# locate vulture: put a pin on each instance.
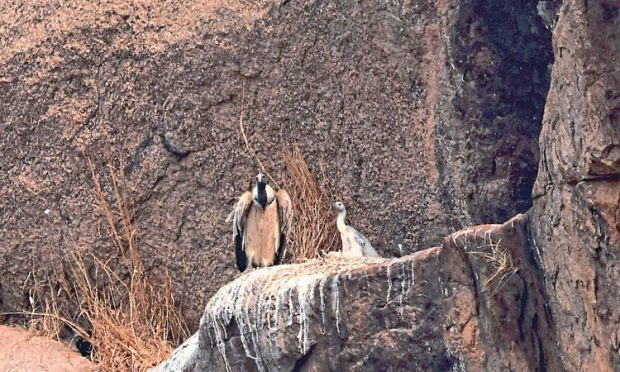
(260, 219)
(353, 242)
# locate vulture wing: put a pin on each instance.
(285, 215)
(238, 217)
(364, 244)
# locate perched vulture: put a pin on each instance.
(260, 220)
(353, 242)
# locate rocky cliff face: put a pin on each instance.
(548, 303)
(576, 214)
(422, 116)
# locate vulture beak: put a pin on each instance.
(262, 178)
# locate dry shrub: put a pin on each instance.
(132, 323)
(501, 262)
(314, 230)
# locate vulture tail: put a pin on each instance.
(242, 259)
(280, 251)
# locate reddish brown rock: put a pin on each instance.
(22, 351)
(576, 218)
(423, 117)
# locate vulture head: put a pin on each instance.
(262, 193)
(339, 207)
(261, 179)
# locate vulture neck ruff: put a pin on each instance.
(262, 194)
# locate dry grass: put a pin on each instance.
(49, 321)
(131, 322)
(501, 263)
(248, 147)
(314, 231)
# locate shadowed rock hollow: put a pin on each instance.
(421, 116)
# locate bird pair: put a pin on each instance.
(261, 217)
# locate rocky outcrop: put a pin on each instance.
(430, 110)
(490, 106)
(576, 213)
(474, 303)
(184, 357)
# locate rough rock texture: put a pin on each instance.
(429, 109)
(559, 311)
(434, 310)
(576, 214)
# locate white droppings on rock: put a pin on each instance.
(487, 236)
(442, 287)
(256, 303)
(412, 282)
(404, 280)
(537, 251)
(461, 365)
(276, 311)
(245, 329)
(220, 344)
(183, 358)
(322, 296)
(389, 278)
(336, 300)
(290, 306)
(462, 235)
(306, 285)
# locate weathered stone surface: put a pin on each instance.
(491, 99)
(422, 115)
(576, 213)
(433, 310)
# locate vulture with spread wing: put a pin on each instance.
(260, 219)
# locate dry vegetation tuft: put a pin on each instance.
(132, 323)
(314, 231)
(501, 262)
